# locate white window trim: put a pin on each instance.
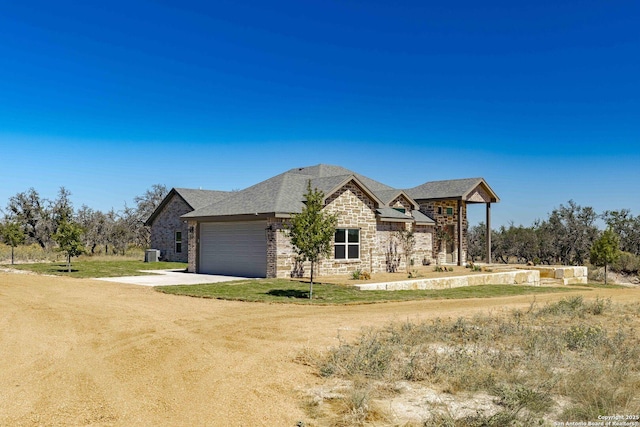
(346, 244)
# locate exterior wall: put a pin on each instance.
(280, 255)
(443, 220)
(164, 227)
(390, 253)
(194, 232)
(378, 246)
(355, 210)
(402, 202)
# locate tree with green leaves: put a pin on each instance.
(311, 231)
(605, 250)
(13, 235)
(69, 239)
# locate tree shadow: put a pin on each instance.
(289, 293)
(62, 268)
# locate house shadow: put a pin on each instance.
(289, 293)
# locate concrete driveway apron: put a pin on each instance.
(170, 277)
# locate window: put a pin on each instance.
(450, 211)
(439, 210)
(178, 242)
(347, 243)
(403, 210)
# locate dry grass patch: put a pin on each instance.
(568, 361)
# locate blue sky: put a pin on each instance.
(542, 98)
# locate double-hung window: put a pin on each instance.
(178, 242)
(347, 243)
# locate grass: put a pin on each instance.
(297, 292)
(573, 360)
(105, 267)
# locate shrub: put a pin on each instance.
(526, 360)
(627, 263)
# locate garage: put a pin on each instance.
(233, 248)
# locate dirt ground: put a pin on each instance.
(85, 352)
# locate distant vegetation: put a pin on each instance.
(565, 237)
(31, 223)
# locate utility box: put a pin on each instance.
(151, 255)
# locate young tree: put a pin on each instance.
(605, 250)
(69, 239)
(13, 235)
(311, 231)
(408, 243)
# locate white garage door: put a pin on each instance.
(233, 248)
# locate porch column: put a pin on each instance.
(488, 233)
(460, 232)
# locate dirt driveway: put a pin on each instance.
(85, 352)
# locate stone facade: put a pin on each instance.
(163, 231)
(379, 247)
(445, 213)
(193, 245)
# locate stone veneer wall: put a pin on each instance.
(194, 233)
(430, 208)
(164, 227)
(355, 210)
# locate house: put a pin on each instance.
(244, 234)
(169, 232)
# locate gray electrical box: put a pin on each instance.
(151, 255)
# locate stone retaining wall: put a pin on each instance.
(519, 277)
(568, 275)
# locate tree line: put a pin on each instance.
(29, 218)
(565, 237)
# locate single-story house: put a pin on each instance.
(244, 233)
(169, 232)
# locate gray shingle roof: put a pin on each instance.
(449, 189)
(284, 193)
(195, 198)
(200, 198)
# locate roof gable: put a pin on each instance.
(471, 190)
(193, 198)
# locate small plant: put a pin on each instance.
(414, 274)
(439, 269)
(450, 269)
(360, 275)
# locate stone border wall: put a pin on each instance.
(519, 277)
(568, 275)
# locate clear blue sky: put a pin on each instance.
(541, 98)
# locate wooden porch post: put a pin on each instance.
(488, 233)
(460, 232)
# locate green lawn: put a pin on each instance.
(91, 268)
(295, 292)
